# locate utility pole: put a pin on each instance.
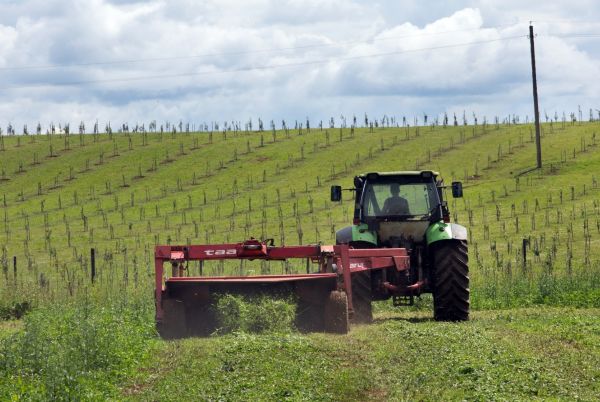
(538, 144)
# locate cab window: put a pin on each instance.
(392, 198)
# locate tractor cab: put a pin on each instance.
(395, 209)
(399, 207)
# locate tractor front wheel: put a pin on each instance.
(450, 281)
(361, 298)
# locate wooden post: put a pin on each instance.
(93, 263)
(15, 267)
(538, 144)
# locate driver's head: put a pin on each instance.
(395, 189)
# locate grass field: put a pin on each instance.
(123, 193)
(546, 353)
(93, 353)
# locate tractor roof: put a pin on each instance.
(402, 173)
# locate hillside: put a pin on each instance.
(123, 193)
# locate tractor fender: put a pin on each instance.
(445, 231)
(355, 234)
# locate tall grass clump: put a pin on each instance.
(14, 310)
(256, 314)
(502, 291)
(75, 351)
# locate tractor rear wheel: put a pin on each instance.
(361, 297)
(336, 313)
(451, 281)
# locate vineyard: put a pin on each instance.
(533, 233)
(123, 193)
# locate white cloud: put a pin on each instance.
(234, 39)
(8, 37)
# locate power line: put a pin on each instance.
(241, 52)
(566, 21)
(258, 68)
(575, 35)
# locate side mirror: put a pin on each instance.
(457, 190)
(336, 193)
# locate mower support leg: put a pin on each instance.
(347, 278)
(158, 266)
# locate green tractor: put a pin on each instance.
(407, 210)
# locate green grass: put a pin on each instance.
(9, 327)
(86, 351)
(124, 193)
(75, 351)
(521, 354)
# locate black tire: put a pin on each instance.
(336, 313)
(362, 298)
(174, 324)
(450, 281)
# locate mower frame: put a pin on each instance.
(336, 263)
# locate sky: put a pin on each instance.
(224, 60)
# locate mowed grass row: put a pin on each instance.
(90, 351)
(523, 354)
(202, 187)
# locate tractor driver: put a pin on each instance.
(395, 205)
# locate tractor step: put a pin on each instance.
(400, 301)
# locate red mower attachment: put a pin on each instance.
(184, 304)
